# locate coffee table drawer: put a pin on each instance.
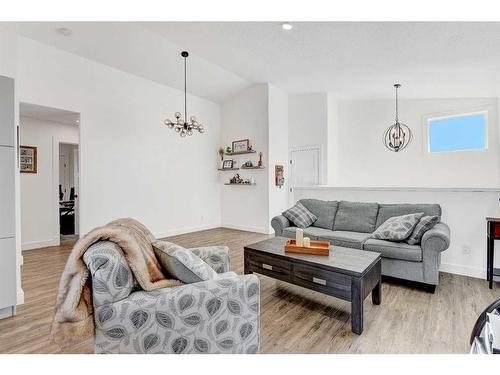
(279, 269)
(327, 282)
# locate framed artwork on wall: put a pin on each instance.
(227, 164)
(278, 175)
(241, 145)
(28, 162)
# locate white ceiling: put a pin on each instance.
(49, 114)
(134, 49)
(351, 60)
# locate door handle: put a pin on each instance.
(267, 266)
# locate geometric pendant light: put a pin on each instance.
(398, 135)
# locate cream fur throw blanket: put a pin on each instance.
(73, 319)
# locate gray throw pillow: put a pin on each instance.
(425, 223)
(300, 216)
(397, 228)
(182, 264)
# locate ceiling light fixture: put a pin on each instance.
(398, 135)
(286, 26)
(181, 125)
(64, 31)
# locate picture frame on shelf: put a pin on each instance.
(227, 164)
(28, 159)
(241, 146)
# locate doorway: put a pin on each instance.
(49, 193)
(305, 167)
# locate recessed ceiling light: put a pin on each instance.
(286, 26)
(64, 31)
(77, 121)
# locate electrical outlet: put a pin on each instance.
(466, 249)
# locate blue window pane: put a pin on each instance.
(458, 133)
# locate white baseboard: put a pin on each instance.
(248, 228)
(20, 296)
(38, 244)
(175, 232)
(459, 269)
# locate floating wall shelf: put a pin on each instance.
(240, 152)
(252, 167)
(227, 169)
(228, 183)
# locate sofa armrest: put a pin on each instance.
(436, 239)
(279, 223)
(216, 257)
(215, 316)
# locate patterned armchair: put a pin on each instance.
(216, 316)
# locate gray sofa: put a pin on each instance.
(350, 224)
(215, 316)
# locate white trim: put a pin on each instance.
(249, 228)
(20, 296)
(453, 114)
(359, 188)
(458, 269)
(34, 245)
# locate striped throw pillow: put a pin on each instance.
(425, 223)
(300, 216)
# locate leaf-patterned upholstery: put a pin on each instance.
(215, 316)
(216, 257)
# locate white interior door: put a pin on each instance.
(63, 175)
(305, 167)
(76, 181)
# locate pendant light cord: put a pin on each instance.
(185, 90)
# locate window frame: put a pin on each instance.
(454, 114)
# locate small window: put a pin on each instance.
(466, 132)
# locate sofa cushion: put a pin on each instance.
(182, 264)
(425, 223)
(395, 250)
(300, 216)
(397, 228)
(353, 240)
(356, 217)
(325, 211)
(386, 211)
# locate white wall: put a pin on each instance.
(131, 164)
(39, 206)
(278, 150)
(364, 161)
(246, 116)
(308, 124)
(463, 210)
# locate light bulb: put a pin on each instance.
(201, 129)
(193, 119)
(183, 133)
(178, 129)
(190, 132)
(177, 115)
(181, 122)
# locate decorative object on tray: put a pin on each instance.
(299, 236)
(28, 159)
(241, 145)
(221, 153)
(227, 164)
(315, 247)
(182, 126)
(260, 163)
(278, 175)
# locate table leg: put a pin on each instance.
(377, 294)
(491, 244)
(246, 265)
(357, 306)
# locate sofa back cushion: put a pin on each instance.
(387, 211)
(356, 217)
(325, 211)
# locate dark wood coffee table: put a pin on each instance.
(348, 274)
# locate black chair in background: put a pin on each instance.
(479, 341)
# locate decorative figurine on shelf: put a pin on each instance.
(248, 164)
(221, 153)
(236, 179)
(260, 164)
(250, 147)
(228, 150)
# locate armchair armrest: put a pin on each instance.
(436, 239)
(216, 257)
(216, 316)
(279, 223)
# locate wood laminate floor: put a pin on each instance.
(293, 319)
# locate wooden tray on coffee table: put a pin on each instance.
(316, 248)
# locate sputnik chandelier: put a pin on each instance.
(181, 125)
(398, 135)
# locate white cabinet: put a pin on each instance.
(7, 186)
(6, 111)
(8, 293)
